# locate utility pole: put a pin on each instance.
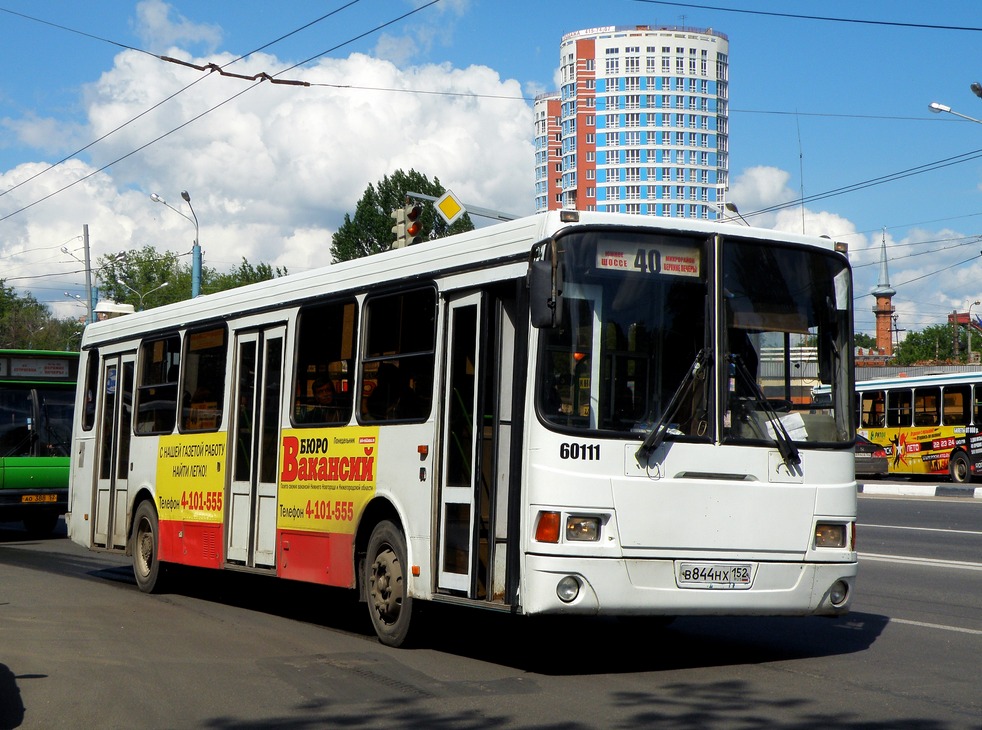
(88, 274)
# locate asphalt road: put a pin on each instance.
(80, 646)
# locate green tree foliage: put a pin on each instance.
(861, 339)
(124, 277)
(932, 344)
(26, 323)
(370, 230)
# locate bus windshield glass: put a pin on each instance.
(633, 320)
(637, 347)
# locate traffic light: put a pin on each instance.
(399, 229)
(414, 223)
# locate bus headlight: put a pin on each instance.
(829, 535)
(583, 529)
(568, 589)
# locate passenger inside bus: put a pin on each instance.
(324, 408)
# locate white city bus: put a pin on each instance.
(555, 415)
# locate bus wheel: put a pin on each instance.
(389, 603)
(146, 547)
(959, 468)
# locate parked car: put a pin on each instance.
(871, 458)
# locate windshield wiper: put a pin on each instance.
(660, 427)
(789, 452)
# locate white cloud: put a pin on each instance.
(271, 169)
(158, 28)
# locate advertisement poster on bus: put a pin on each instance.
(327, 476)
(191, 478)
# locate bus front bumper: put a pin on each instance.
(636, 587)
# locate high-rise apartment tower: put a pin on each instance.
(639, 124)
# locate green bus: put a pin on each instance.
(37, 403)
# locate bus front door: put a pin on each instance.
(115, 429)
(255, 448)
(476, 433)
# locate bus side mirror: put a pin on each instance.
(546, 294)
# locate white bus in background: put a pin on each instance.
(555, 415)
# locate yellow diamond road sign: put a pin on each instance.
(449, 207)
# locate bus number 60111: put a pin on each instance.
(583, 452)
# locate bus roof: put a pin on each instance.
(503, 243)
(914, 381)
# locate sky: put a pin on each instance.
(829, 121)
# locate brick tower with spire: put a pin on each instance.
(884, 309)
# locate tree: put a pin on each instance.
(370, 231)
(932, 344)
(27, 324)
(861, 339)
(125, 276)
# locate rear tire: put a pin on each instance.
(959, 468)
(386, 583)
(147, 570)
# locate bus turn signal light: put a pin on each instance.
(547, 529)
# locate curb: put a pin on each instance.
(922, 490)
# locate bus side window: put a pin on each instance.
(956, 400)
(326, 334)
(872, 410)
(926, 402)
(397, 365)
(203, 391)
(157, 391)
(91, 386)
(899, 408)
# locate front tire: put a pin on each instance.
(386, 580)
(959, 468)
(147, 569)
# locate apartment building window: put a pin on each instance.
(632, 174)
(632, 139)
(704, 62)
(666, 101)
(632, 120)
(613, 66)
(632, 102)
(591, 138)
(632, 157)
(590, 64)
(666, 65)
(613, 121)
(680, 102)
(680, 210)
(591, 174)
(632, 83)
(591, 192)
(591, 156)
(632, 65)
(613, 139)
(633, 208)
(692, 139)
(692, 121)
(591, 120)
(632, 192)
(679, 65)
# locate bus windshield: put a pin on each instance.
(637, 346)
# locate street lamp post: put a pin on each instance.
(975, 303)
(196, 247)
(733, 209)
(938, 108)
(144, 294)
